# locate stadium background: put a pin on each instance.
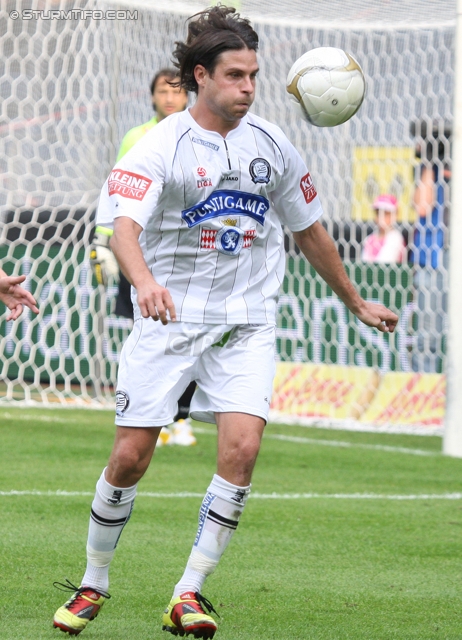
(71, 88)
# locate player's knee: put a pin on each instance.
(243, 452)
(127, 464)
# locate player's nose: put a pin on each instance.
(248, 86)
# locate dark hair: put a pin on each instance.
(168, 72)
(210, 33)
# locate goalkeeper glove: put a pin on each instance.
(102, 260)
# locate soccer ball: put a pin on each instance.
(326, 86)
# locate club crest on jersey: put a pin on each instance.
(127, 184)
(308, 188)
(122, 403)
(224, 202)
(229, 240)
(260, 171)
(226, 240)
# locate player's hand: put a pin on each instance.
(15, 297)
(155, 302)
(378, 316)
(102, 260)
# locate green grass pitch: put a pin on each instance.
(312, 562)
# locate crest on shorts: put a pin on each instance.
(260, 171)
(122, 403)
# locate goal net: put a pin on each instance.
(75, 78)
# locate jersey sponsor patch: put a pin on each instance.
(127, 184)
(226, 202)
(201, 171)
(209, 238)
(206, 143)
(308, 188)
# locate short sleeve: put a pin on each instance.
(295, 199)
(134, 184)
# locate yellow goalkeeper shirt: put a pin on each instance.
(135, 134)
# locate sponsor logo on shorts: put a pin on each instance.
(122, 403)
(194, 344)
(260, 171)
(308, 188)
(224, 202)
(206, 143)
(128, 185)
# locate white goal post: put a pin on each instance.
(72, 85)
(452, 444)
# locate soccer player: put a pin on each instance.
(166, 99)
(198, 208)
(14, 296)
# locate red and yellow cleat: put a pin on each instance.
(83, 606)
(185, 616)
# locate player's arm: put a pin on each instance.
(14, 296)
(319, 249)
(154, 300)
(424, 193)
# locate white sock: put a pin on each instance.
(110, 512)
(219, 516)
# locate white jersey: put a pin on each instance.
(212, 210)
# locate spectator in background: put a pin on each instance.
(166, 99)
(430, 251)
(14, 296)
(386, 244)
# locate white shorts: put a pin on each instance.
(233, 365)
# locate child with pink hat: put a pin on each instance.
(386, 244)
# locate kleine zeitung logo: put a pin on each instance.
(308, 188)
(128, 185)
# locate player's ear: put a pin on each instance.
(200, 73)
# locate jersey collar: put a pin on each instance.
(214, 135)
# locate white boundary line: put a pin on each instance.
(275, 417)
(254, 496)
(336, 443)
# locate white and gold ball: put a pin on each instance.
(326, 86)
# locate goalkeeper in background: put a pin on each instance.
(166, 99)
